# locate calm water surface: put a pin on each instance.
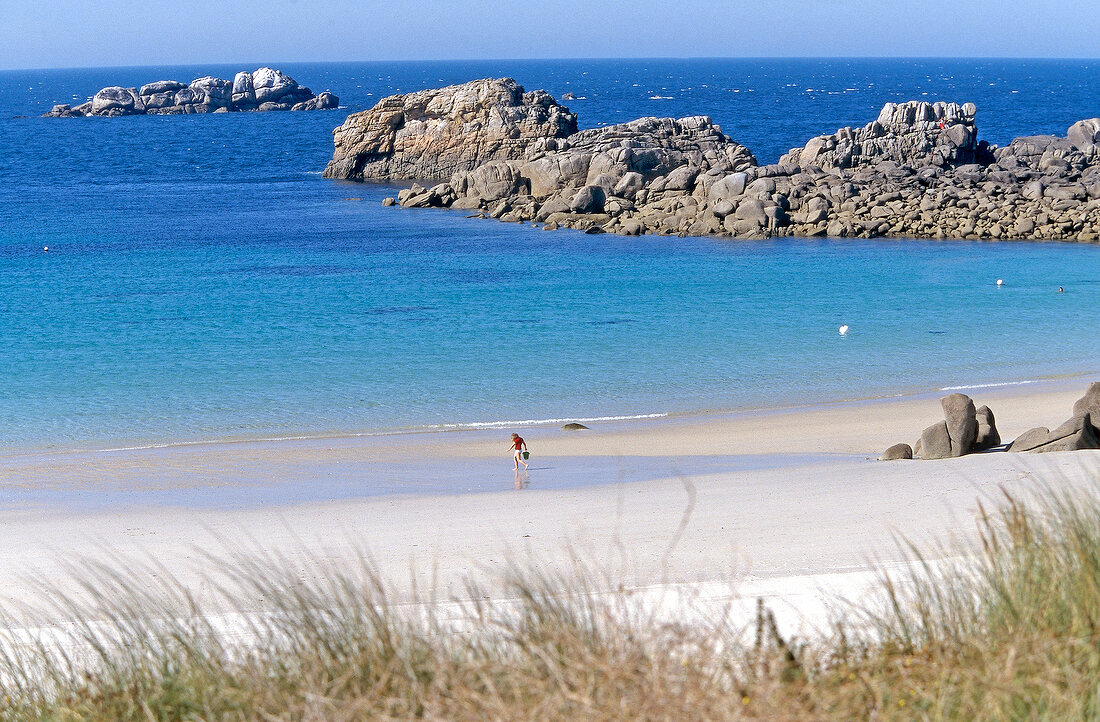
(204, 281)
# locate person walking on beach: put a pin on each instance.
(518, 447)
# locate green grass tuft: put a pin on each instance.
(1008, 633)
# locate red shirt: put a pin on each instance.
(517, 443)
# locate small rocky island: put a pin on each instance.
(917, 171)
(264, 89)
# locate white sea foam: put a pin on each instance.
(988, 386)
(366, 434)
(232, 440)
(540, 422)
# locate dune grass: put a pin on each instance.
(1010, 633)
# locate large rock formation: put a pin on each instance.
(435, 133)
(965, 430)
(913, 134)
(957, 435)
(1074, 435)
(608, 171)
(1081, 431)
(962, 423)
(265, 89)
(160, 94)
(1090, 402)
(917, 171)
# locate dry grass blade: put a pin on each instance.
(1009, 632)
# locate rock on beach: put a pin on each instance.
(897, 452)
(966, 430)
(1081, 431)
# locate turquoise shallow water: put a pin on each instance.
(204, 282)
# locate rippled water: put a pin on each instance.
(203, 281)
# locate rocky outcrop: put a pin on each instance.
(1081, 431)
(1090, 402)
(117, 101)
(914, 134)
(917, 171)
(964, 430)
(433, 134)
(1074, 435)
(161, 94)
(265, 89)
(609, 171)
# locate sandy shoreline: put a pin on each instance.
(720, 498)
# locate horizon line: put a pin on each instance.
(565, 59)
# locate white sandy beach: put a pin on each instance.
(776, 501)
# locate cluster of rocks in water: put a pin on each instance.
(917, 171)
(967, 430)
(264, 89)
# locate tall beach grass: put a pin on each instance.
(1011, 632)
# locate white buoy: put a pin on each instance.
(46, 249)
(843, 330)
(1000, 282)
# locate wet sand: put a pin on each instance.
(726, 498)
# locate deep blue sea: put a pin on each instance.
(204, 282)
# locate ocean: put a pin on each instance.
(204, 282)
